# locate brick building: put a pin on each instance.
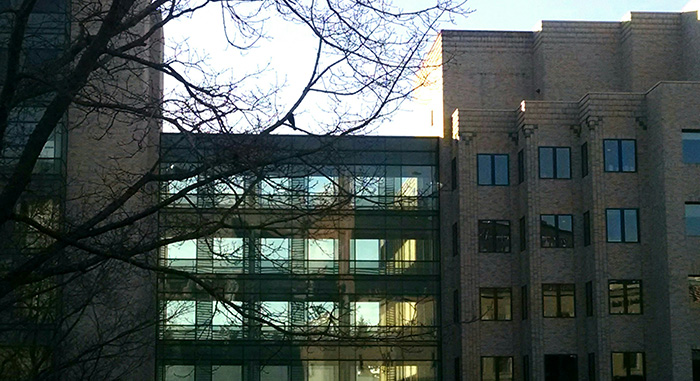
(569, 208)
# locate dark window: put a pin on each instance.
(586, 228)
(692, 219)
(494, 236)
(584, 159)
(694, 290)
(591, 367)
(558, 300)
(495, 303)
(455, 306)
(560, 368)
(454, 173)
(628, 366)
(526, 368)
(523, 234)
(696, 365)
(455, 239)
(691, 146)
(625, 297)
(523, 302)
(497, 368)
(521, 166)
(620, 155)
(589, 298)
(555, 162)
(458, 369)
(622, 225)
(556, 230)
(492, 169)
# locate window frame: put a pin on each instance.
(683, 146)
(495, 293)
(492, 161)
(455, 240)
(586, 228)
(559, 313)
(492, 226)
(496, 367)
(625, 365)
(557, 238)
(620, 159)
(686, 219)
(554, 149)
(621, 215)
(521, 166)
(625, 298)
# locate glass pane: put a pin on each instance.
(322, 371)
(691, 147)
(563, 163)
(484, 170)
(230, 249)
(501, 169)
(319, 313)
(274, 373)
(179, 373)
(505, 368)
(227, 373)
(486, 236)
(614, 225)
(692, 219)
(180, 313)
(502, 231)
(566, 231)
(694, 291)
(366, 250)
(636, 364)
(367, 314)
(618, 366)
(275, 312)
(488, 369)
(568, 307)
(182, 250)
(488, 305)
(546, 163)
(274, 249)
(616, 296)
(629, 158)
(631, 233)
(612, 160)
(322, 250)
(549, 300)
(634, 298)
(503, 304)
(548, 230)
(224, 315)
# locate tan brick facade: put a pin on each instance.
(570, 83)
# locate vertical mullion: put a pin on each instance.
(493, 169)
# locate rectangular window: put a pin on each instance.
(526, 368)
(584, 159)
(622, 225)
(691, 146)
(694, 290)
(494, 236)
(620, 155)
(458, 369)
(521, 166)
(455, 239)
(179, 373)
(586, 228)
(453, 173)
(625, 297)
(492, 169)
(523, 234)
(455, 306)
(558, 300)
(589, 298)
(556, 230)
(523, 302)
(591, 367)
(628, 366)
(555, 162)
(561, 367)
(495, 303)
(692, 219)
(497, 368)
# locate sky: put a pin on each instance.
(285, 61)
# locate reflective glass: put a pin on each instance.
(631, 232)
(629, 156)
(546, 163)
(614, 225)
(484, 170)
(179, 373)
(500, 169)
(227, 373)
(563, 163)
(692, 219)
(691, 147)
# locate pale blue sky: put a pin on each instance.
(204, 35)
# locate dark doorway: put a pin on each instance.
(560, 368)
